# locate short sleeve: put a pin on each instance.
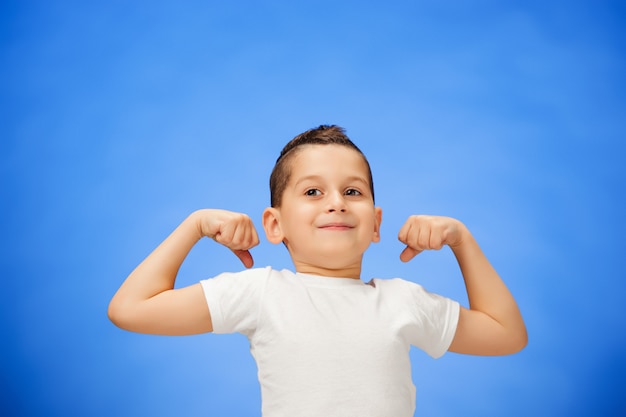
(435, 320)
(234, 299)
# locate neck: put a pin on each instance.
(348, 272)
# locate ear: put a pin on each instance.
(271, 225)
(378, 215)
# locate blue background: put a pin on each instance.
(118, 119)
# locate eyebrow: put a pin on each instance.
(319, 177)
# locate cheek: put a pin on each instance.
(299, 214)
(371, 222)
(299, 210)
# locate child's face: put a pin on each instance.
(327, 217)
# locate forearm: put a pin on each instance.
(487, 292)
(157, 272)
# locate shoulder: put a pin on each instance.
(404, 290)
(253, 276)
(243, 274)
(235, 280)
(395, 284)
(429, 319)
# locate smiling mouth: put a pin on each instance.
(336, 226)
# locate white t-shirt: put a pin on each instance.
(331, 346)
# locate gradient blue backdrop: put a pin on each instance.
(120, 118)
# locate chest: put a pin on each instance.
(330, 324)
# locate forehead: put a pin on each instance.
(330, 158)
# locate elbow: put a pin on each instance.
(523, 340)
(113, 312)
(128, 314)
(518, 342)
(118, 314)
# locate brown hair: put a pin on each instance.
(322, 135)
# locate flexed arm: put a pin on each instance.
(493, 324)
(148, 303)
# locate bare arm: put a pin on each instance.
(147, 301)
(493, 324)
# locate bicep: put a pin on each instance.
(479, 334)
(173, 312)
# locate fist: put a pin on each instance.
(422, 232)
(233, 230)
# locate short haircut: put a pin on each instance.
(322, 135)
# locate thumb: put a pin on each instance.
(245, 257)
(409, 253)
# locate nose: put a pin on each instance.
(336, 202)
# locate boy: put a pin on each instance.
(325, 342)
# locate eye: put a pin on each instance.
(353, 192)
(312, 192)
